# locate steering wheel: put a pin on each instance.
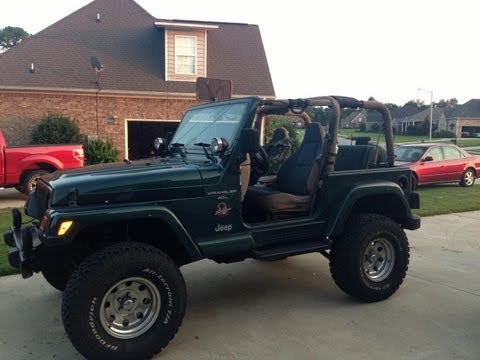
(259, 165)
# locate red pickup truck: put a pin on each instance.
(21, 166)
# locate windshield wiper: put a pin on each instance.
(179, 148)
(209, 155)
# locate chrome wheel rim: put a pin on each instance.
(469, 178)
(378, 260)
(130, 308)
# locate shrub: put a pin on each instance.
(443, 134)
(376, 127)
(56, 129)
(99, 151)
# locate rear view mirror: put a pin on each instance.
(428, 158)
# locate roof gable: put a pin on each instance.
(471, 109)
(122, 35)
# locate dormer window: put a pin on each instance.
(185, 55)
(185, 49)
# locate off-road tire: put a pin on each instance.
(125, 301)
(371, 259)
(414, 182)
(29, 180)
(468, 178)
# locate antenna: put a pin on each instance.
(96, 64)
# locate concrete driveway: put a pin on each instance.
(292, 309)
(11, 198)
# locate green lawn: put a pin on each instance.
(399, 139)
(468, 142)
(447, 198)
(380, 137)
(5, 222)
(434, 200)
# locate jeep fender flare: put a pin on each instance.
(86, 218)
(370, 191)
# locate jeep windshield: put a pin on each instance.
(200, 125)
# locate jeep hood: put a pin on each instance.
(403, 163)
(140, 181)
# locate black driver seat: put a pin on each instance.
(296, 182)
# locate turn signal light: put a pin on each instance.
(64, 227)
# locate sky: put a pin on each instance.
(370, 48)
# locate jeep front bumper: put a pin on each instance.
(23, 243)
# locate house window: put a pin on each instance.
(185, 55)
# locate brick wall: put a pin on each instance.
(20, 112)
(459, 123)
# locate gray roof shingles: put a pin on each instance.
(132, 50)
(471, 109)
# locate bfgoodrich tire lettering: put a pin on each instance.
(371, 259)
(126, 301)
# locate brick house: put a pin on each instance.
(354, 120)
(401, 124)
(150, 67)
(464, 119)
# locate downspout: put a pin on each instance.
(97, 95)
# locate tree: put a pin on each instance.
(419, 104)
(450, 103)
(392, 107)
(11, 36)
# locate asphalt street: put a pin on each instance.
(292, 309)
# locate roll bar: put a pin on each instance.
(336, 103)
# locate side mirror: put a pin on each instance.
(428, 158)
(249, 141)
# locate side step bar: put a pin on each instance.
(281, 252)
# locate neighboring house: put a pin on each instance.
(416, 120)
(150, 67)
(355, 119)
(372, 120)
(464, 119)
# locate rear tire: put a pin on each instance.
(125, 301)
(414, 182)
(371, 259)
(30, 180)
(468, 178)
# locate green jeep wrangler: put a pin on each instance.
(114, 236)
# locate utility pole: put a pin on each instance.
(431, 111)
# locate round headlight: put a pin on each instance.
(218, 146)
(158, 142)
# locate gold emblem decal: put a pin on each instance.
(222, 210)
